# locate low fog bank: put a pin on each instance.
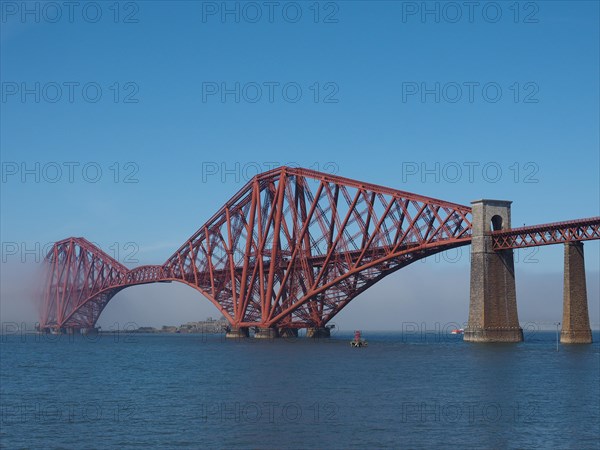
(434, 297)
(429, 294)
(20, 292)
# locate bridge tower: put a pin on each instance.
(493, 303)
(576, 320)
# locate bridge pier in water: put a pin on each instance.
(318, 332)
(238, 333)
(288, 332)
(493, 301)
(576, 321)
(266, 333)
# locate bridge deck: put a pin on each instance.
(547, 234)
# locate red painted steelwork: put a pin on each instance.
(547, 234)
(289, 250)
(294, 246)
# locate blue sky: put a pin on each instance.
(533, 113)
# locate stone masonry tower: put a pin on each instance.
(576, 320)
(493, 306)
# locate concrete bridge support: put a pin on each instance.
(289, 333)
(266, 333)
(493, 304)
(318, 332)
(237, 333)
(576, 320)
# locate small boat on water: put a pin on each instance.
(357, 341)
(458, 331)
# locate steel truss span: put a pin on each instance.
(550, 233)
(290, 250)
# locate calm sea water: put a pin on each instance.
(200, 391)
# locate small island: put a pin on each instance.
(208, 326)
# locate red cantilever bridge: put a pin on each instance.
(290, 250)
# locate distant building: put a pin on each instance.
(208, 326)
(146, 330)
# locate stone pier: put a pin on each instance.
(288, 332)
(318, 332)
(237, 333)
(576, 320)
(266, 333)
(493, 302)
